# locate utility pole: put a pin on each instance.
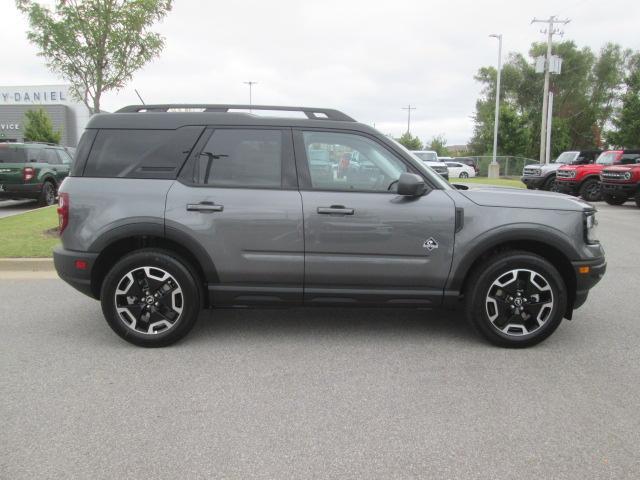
(550, 31)
(408, 108)
(494, 168)
(251, 84)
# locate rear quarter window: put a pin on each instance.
(140, 153)
(9, 154)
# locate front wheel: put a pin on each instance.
(516, 299)
(550, 184)
(614, 199)
(47, 195)
(590, 190)
(150, 298)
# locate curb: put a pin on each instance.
(26, 265)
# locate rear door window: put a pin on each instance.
(49, 156)
(140, 153)
(241, 158)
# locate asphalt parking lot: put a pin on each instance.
(323, 393)
(13, 207)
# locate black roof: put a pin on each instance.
(172, 116)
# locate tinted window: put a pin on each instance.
(140, 153)
(35, 154)
(629, 158)
(65, 158)
(342, 161)
(241, 158)
(10, 154)
(49, 156)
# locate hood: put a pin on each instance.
(621, 168)
(544, 168)
(519, 198)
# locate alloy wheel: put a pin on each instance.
(519, 302)
(149, 300)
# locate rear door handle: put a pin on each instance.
(336, 210)
(204, 207)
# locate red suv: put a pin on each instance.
(621, 183)
(584, 180)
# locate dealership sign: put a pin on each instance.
(33, 96)
(9, 126)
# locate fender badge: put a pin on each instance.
(430, 244)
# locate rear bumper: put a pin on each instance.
(20, 190)
(532, 181)
(567, 186)
(619, 189)
(65, 263)
(586, 281)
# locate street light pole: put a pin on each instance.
(494, 168)
(251, 84)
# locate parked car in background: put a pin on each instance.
(584, 180)
(32, 171)
(460, 170)
(472, 162)
(431, 159)
(543, 176)
(621, 183)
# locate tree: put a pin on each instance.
(585, 94)
(39, 128)
(410, 142)
(96, 45)
(627, 120)
(439, 145)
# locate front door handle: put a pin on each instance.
(204, 207)
(336, 210)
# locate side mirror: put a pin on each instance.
(410, 185)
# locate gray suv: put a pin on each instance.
(172, 208)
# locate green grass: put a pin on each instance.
(500, 182)
(29, 234)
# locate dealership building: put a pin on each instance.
(67, 114)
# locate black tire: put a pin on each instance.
(188, 298)
(550, 184)
(638, 199)
(479, 299)
(613, 199)
(47, 194)
(464, 175)
(590, 190)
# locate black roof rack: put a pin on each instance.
(311, 113)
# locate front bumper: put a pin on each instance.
(585, 281)
(65, 263)
(569, 187)
(532, 181)
(20, 190)
(619, 189)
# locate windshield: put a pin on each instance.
(426, 156)
(607, 158)
(567, 157)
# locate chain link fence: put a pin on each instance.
(510, 166)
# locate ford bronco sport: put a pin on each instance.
(168, 210)
(32, 171)
(621, 183)
(584, 180)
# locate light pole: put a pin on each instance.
(494, 168)
(251, 84)
(408, 108)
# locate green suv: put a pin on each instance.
(32, 171)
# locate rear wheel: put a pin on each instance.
(464, 175)
(516, 299)
(150, 298)
(590, 190)
(47, 194)
(613, 199)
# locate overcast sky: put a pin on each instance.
(367, 58)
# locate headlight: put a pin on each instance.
(571, 173)
(627, 175)
(590, 227)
